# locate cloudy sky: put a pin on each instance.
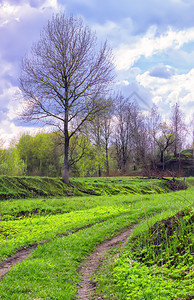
(152, 42)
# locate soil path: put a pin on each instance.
(22, 254)
(87, 271)
(5, 266)
(87, 286)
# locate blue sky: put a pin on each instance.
(152, 42)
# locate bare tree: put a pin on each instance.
(191, 133)
(154, 124)
(130, 134)
(121, 132)
(95, 133)
(178, 127)
(63, 77)
(106, 133)
(165, 141)
(99, 131)
(135, 127)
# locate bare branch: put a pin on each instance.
(63, 76)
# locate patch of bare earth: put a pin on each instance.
(20, 255)
(87, 287)
(23, 253)
(5, 266)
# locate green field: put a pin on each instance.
(71, 226)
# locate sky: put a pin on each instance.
(152, 43)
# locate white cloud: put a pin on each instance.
(115, 32)
(166, 92)
(9, 132)
(8, 13)
(11, 100)
(49, 3)
(150, 44)
(13, 12)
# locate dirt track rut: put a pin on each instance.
(87, 286)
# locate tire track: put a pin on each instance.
(87, 286)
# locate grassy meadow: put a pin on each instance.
(73, 220)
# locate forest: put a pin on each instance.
(121, 140)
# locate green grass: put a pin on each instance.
(12, 187)
(72, 227)
(22, 187)
(51, 271)
(157, 262)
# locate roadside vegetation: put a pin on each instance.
(67, 229)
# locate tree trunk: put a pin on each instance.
(175, 149)
(66, 161)
(161, 156)
(99, 172)
(107, 162)
(66, 146)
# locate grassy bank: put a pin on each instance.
(71, 228)
(157, 262)
(13, 187)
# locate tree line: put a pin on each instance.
(121, 140)
(65, 83)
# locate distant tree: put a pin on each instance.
(25, 149)
(63, 77)
(11, 163)
(95, 133)
(154, 124)
(121, 132)
(178, 128)
(107, 120)
(130, 134)
(41, 153)
(79, 148)
(165, 141)
(99, 131)
(191, 133)
(137, 134)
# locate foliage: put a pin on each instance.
(137, 281)
(188, 152)
(11, 163)
(173, 235)
(41, 154)
(158, 262)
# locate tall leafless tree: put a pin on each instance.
(106, 133)
(191, 134)
(178, 127)
(100, 132)
(165, 141)
(95, 133)
(154, 124)
(121, 132)
(63, 77)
